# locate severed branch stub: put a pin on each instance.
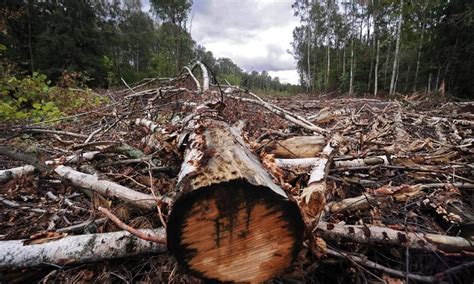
(231, 222)
(313, 198)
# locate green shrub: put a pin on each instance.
(33, 98)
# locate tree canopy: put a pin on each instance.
(381, 45)
(110, 39)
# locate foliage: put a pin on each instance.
(33, 98)
(28, 98)
(337, 37)
(110, 40)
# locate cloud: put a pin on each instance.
(254, 34)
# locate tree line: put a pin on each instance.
(110, 39)
(373, 46)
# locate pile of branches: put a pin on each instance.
(385, 188)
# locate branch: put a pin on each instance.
(78, 249)
(142, 235)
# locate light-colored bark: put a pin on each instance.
(376, 75)
(420, 44)
(313, 197)
(229, 213)
(397, 50)
(77, 249)
(108, 188)
(368, 234)
(28, 169)
(304, 165)
(296, 147)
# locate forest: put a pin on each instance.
(110, 40)
(131, 153)
(374, 46)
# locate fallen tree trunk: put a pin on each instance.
(29, 169)
(231, 222)
(304, 165)
(77, 249)
(368, 234)
(108, 188)
(297, 147)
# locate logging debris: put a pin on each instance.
(385, 187)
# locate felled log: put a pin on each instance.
(29, 169)
(108, 188)
(77, 249)
(304, 165)
(297, 147)
(368, 234)
(231, 222)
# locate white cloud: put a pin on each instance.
(286, 76)
(254, 34)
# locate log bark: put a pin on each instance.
(231, 222)
(77, 249)
(297, 147)
(108, 188)
(29, 169)
(313, 198)
(367, 234)
(304, 165)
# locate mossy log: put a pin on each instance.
(231, 222)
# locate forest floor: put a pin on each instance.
(414, 173)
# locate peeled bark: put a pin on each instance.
(77, 249)
(297, 147)
(231, 222)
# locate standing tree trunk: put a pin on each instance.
(328, 65)
(344, 60)
(231, 222)
(351, 79)
(397, 50)
(418, 57)
(376, 75)
(30, 47)
(308, 87)
(385, 72)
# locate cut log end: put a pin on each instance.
(234, 231)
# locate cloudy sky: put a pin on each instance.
(256, 35)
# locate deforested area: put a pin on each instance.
(164, 164)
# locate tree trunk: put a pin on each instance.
(376, 75)
(30, 47)
(231, 222)
(351, 79)
(297, 147)
(328, 65)
(385, 72)
(76, 249)
(344, 60)
(397, 51)
(418, 57)
(371, 64)
(308, 87)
